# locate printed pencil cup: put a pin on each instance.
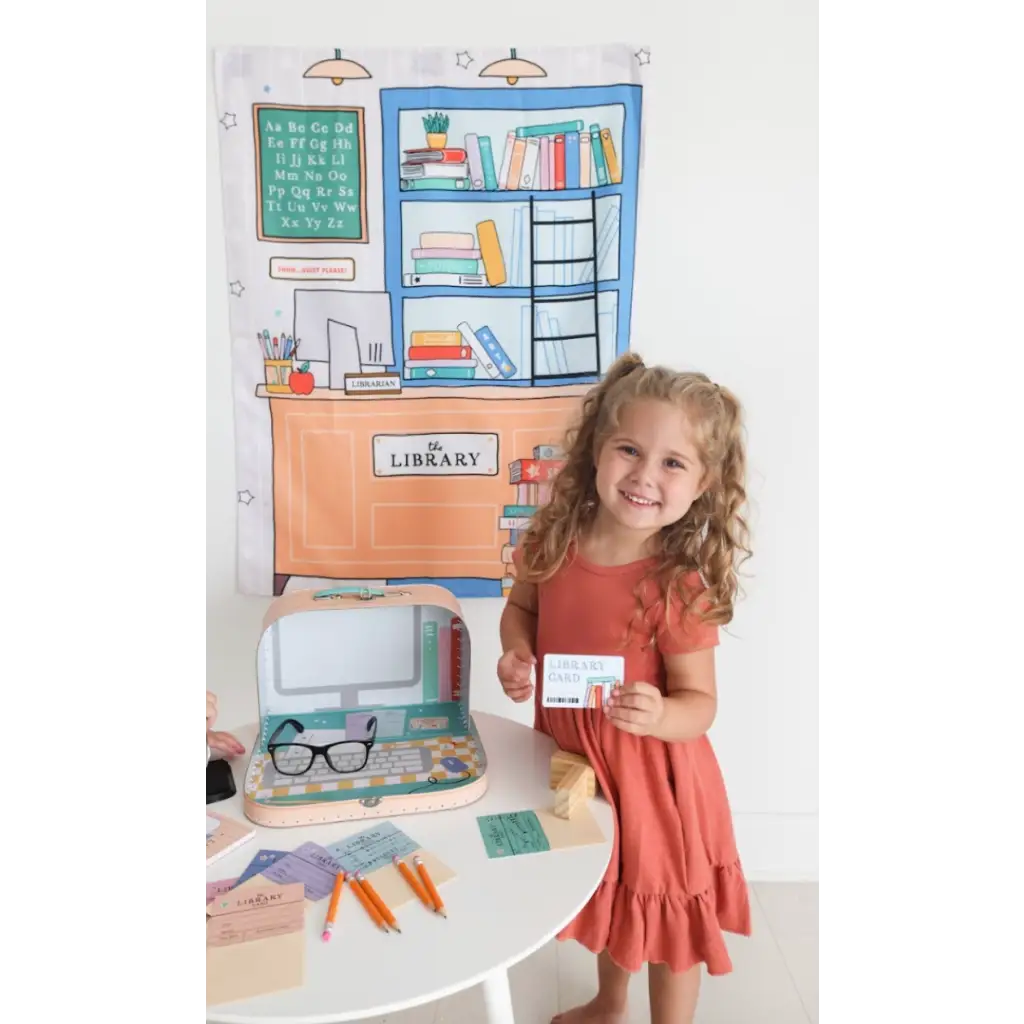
(278, 371)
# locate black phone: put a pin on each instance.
(220, 783)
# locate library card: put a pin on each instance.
(508, 835)
(311, 865)
(214, 889)
(373, 848)
(580, 680)
(261, 923)
(263, 860)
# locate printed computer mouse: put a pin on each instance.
(453, 764)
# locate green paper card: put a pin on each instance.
(508, 835)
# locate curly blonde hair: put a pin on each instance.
(712, 538)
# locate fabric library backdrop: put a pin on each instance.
(430, 259)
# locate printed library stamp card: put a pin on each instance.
(311, 865)
(509, 835)
(580, 680)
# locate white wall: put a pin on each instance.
(726, 282)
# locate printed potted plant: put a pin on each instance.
(436, 126)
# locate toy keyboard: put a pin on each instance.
(410, 761)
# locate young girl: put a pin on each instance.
(636, 554)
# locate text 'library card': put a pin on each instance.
(580, 680)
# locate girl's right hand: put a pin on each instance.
(514, 668)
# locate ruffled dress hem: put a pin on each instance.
(660, 928)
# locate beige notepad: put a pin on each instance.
(224, 834)
(581, 829)
(255, 941)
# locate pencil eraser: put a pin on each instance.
(326, 936)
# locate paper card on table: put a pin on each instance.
(263, 860)
(311, 865)
(581, 680)
(258, 897)
(216, 888)
(258, 949)
(232, 929)
(508, 835)
(372, 848)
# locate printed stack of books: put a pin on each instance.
(434, 169)
(456, 355)
(532, 479)
(540, 157)
(453, 259)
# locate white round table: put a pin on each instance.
(499, 911)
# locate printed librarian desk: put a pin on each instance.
(406, 487)
(499, 911)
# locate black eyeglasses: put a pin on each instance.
(297, 758)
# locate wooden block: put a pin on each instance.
(572, 790)
(562, 761)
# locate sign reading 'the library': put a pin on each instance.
(435, 455)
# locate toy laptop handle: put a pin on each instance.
(356, 593)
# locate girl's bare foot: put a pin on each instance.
(594, 1012)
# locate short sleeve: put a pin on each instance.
(683, 632)
(517, 569)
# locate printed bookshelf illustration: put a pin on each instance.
(548, 157)
(448, 269)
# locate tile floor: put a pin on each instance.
(774, 981)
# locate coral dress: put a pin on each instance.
(674, 882)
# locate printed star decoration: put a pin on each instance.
(245, 497)
(463, 59)
(229, 120)
(643, 56)
(237, 288)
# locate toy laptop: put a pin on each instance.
(364, 707)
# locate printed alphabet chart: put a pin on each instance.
(581, 680)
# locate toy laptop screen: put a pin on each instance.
(363, 699)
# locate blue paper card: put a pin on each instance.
(263, 860)
(366, 851)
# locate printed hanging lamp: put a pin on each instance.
(336, 69)
(512, 69)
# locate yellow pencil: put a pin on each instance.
(367, 903)
(332, 910)
(378, 902)
(422, 869)
(413, 883)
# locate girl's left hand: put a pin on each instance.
(636, 708)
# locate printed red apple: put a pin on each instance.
(301, 380)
